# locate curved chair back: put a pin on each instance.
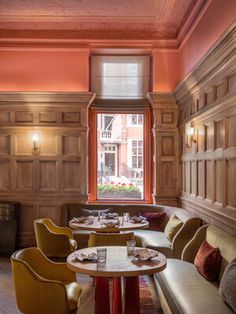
(52, 240)
(35, 292)
(109, 239)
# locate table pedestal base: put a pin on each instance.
(132, 300)
(131, 297)
(102, 300)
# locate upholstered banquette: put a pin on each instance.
(147, 238)
(182, 289)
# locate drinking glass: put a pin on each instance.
(126, 217)
(101, 255)
(90, 220)
(131, 248)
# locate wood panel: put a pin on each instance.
(219, 185)
(57, 172)
(24, 175)
(4, 174)
(231, 175)
(207, 99)
(48, 175)
(4, 144)
(71, 175)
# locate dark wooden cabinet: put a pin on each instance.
(8, 226)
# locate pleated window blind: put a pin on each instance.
(120, 77)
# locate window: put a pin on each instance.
(120, 129)
(137, 154)
(135, 119)
(119, 159)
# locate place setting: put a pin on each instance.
(98, 256)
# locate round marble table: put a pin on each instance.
(97, 226)
(117, 265)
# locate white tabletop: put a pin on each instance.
(118, 264)
(96, 226)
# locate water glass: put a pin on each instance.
(90, 220)
(131, 248)
(101, 255)
(126, 217)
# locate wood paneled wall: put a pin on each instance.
(207, 170)
(42, 183)
(165, 133)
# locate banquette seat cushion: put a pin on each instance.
(182, 289)
(186, 291)
(146, 238)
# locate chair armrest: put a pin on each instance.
(190, 250)
(184, 235)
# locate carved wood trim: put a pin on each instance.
(165, 135)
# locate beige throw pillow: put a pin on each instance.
(172, 227)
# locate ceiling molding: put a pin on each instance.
(162, 30)
(192, 21)
(33, 44)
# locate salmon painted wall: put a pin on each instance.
(44, 70)
(165, 70)
(218, 17)
(58, 70)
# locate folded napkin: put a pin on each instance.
(81, 219)
(137, 219)
(80, 257)
(110, 223)
(145, 254)
(110, 216)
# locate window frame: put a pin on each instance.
(147, 158)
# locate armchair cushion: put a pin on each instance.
(207, 261)
(172, 227)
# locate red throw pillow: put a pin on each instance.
(156, 220)
(207, 261)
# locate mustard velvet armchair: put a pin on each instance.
(109, 239)
(43, 286)
(52, 240)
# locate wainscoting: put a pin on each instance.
(207, 170)
(43, 182)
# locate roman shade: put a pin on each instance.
(120, 77)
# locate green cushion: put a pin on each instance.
(172, 227)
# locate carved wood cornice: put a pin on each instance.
(82, 98)
(162, 100)
(220, 53)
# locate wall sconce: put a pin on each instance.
(190, 135)
(36, 143)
